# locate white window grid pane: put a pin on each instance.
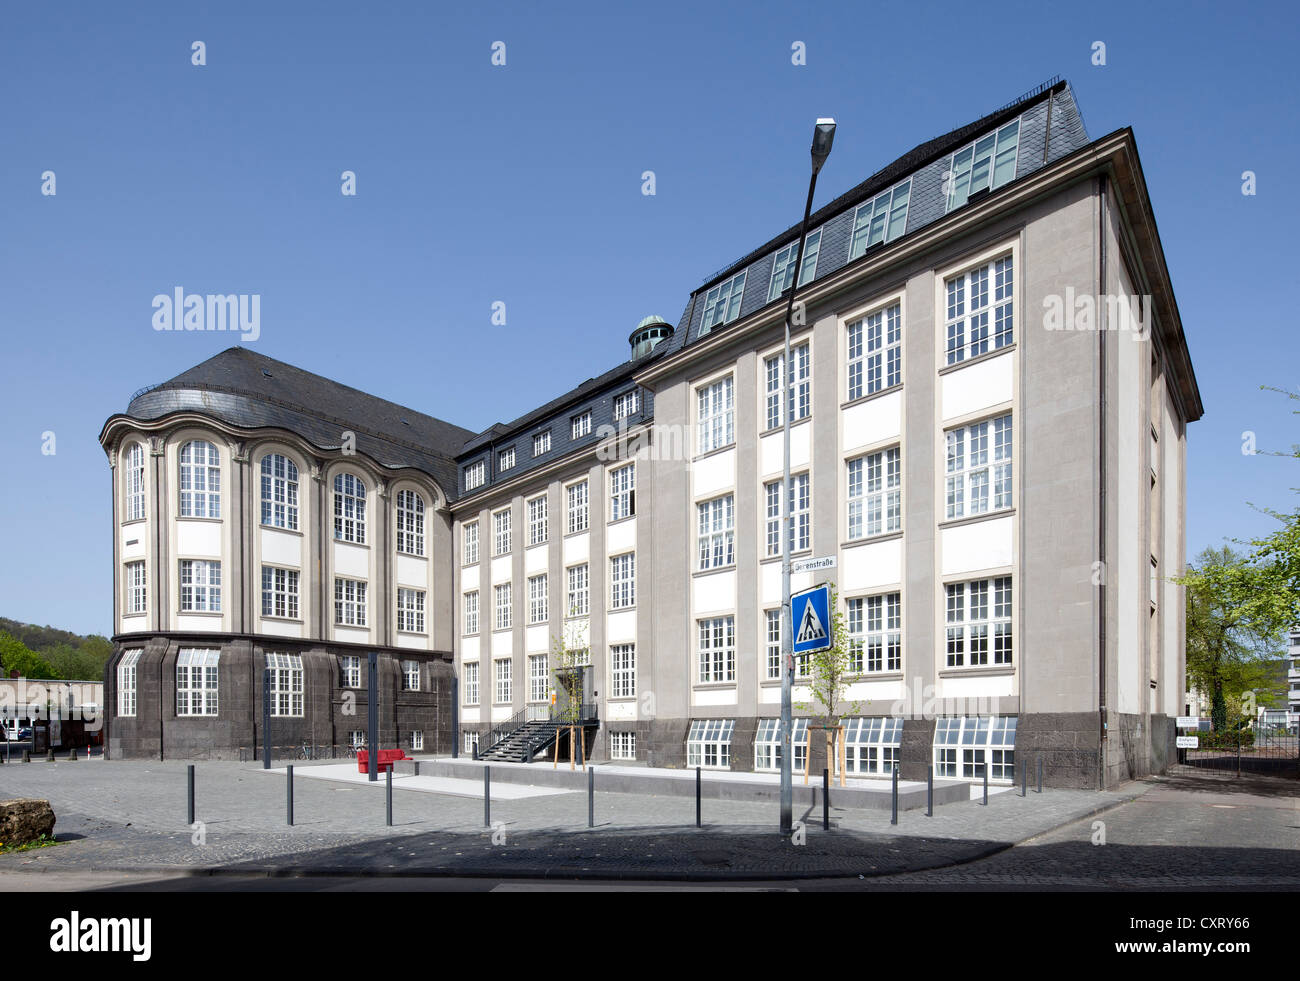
(622, 490)
(708, 743)
(716, 413)
(622, 581)
(196, 681)
(200, 480)
(542, 443)
(349, 509)
(626, 405)
(134, 485)
(538, 527)
(504, 616)
(411, 675)
(136, 588)
(538, 599)
(350, 609)
(410, 522)
(875, 494)
(126, 683)
(475, 475)
(410, 610)
(800, 385)
(502, 694)
(470, 536)
(717, 650)
(969, 310)
(506, 459)
(875, 633)
(351, 665)
(881, 219)
(200, 586)
(772, 644)
(974, 482)
(623, 669)
(501, 532)
(716, 523)
(279, 492)
(722, 302)
(783, 265)
(470, 673)
(581, 425)
(539, 678)
(987, 163)
(279, 592)
(578, 600)
(471, 612)
(577, 501)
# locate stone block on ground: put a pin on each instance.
(25, 819)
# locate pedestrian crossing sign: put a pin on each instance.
(810, 612)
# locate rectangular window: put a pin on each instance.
(126, 678)
(622, 581)
(349, 603)
(410, 675)
(875, 349)
(539, 678)
(279, 492)
(767, 745)
(717, 537)
(503, 667)
(983, 741)
(577, 506)
(971, 622)
(469, 539)
(875, 486)
(470, 743)
(716, 411)
(772, 645)
(882, 219)
(196, 681)
(279, 592)
(871, 745)
(136, 592)
(987, 163)
(708, 744)
(717, 651)
(538, 605)
(502, 604)
(722, 302)
(506, 459)
(783, 265)
(410, 610)
(974, 483)
(800, 383)
(622, 659)
(875, 629)
(578, 600)
(286, 685)
(501, 532)
(475, 475)
(410, 522)
(133, 478)
(537, 524)
(622, 492)
(417, 740)
(469, 671)
(471, 612)
(200, 586)
(581, 425)
(800, 510)
(969, 308)
(627, 404)
(200, 480)
(351, 671)
(622, 745)
(542, 443)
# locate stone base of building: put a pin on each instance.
(331, 712)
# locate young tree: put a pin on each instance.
(569, 662)
(831, 671)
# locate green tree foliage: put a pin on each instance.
(71, 657)
(1233, 638)
(17, 656)
(830, 672)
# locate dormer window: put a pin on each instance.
(881, 219)
(722, 303)
(987, 163)
(475, 475)
(506, 459)
(783, 265)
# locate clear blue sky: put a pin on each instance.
(523, 184)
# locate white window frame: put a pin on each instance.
(135, 581)
(417, 740)
(772, 645)
(133, 483)
(627, 404)
(538, 524)
(286, 691)
(503, 613)
(783, 265)
(875, 628)
(622, 745)
(502, 681)
(471, 611)
(280, 592)
(800, 524)
(882, 219)
(622, 670)
(541, 443)
(349, 508)
(875, 493)
(872, 745)
(410, 675)
(279, 491)
(715, 404)
(199, 480)
(716, 532)
(984, 163)
(965, 745)
(475, 475)
(351, 602)
(800, 385)
(978, 623)
(722, 302)
(410, 610)
(539, 678)
(767, 745)
(410, 522)
(622, 581)
(538, 599)
(469, 542)
(350, 666)
(708, 743)
(580, 425)
(979, 307)
(578, 506)
(127, 669)
(874, 348)
(469, 671)
(505, 459)
(200, 586)
(978, 468)
(501, 532)
(578, 593)
(715, 650)
(622, 492)
(197, 682)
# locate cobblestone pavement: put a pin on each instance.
(121, 815)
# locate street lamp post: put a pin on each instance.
(823, 137)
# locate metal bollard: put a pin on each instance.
(697, 797)
(1040, 774)
(591, 797)
(27, 756)
(487, 796)
(289, 791)
(190, 780)
(1024, 776)
(986, 785)
(929, 791)
(893, 813)
(388, 789)
(826, 799)
(49, 755)
(72, 757)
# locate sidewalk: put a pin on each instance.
(130, 815)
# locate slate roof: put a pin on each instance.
(250, 390)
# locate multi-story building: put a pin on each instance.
(988, 396)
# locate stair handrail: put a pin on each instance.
(502, 732)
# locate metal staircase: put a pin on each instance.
(520, 738)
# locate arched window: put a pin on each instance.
(410, 522)
(349, 508)
(279, 492)
(200, 480)
(133, 483)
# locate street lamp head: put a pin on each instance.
(823, 137)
